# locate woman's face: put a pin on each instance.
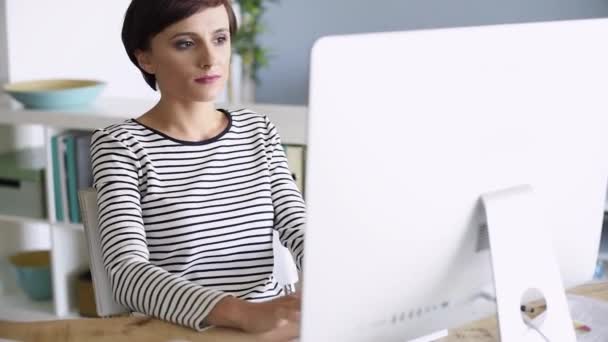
(191, 58)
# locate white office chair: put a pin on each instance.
(284, 270)
(104, 300)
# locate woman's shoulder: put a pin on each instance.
(248, 116)
(117, 132)
(246, 113)
(127, 125)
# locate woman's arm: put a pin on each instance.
(289, 207)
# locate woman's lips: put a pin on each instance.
(207, 79)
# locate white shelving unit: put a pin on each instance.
(68, 248)
(16, 306)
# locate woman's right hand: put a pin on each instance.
(274, 320)
(273, 314)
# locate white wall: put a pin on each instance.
(72, 39)
(3, 44)
(6, 133)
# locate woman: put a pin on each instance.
(188, 194)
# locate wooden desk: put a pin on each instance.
(133, 329)
(486, 330)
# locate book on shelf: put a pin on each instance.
(60, 177)
(57, 178)
(83, 161)
(71, 166)
(296, 159)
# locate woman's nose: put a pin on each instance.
(207, 57)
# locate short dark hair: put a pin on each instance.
(144, 19)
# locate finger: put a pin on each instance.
(290, 298)
(286, 332)
(293, 300)
(294, 317)
(297, 304)
(295, 297)
(289, 331)
(297, 293)
(284, 307)
(287, 309)
(281, 322)
(291, 316)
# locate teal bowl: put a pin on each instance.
(34, 273)
(55, 94)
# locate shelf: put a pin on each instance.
(17, 307)
(291, 121)
(67, 225)
(30, 220)
(22, 219)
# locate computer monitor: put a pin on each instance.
(407, 130)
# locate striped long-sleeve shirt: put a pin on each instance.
(184, 224)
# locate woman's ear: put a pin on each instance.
(145, 61)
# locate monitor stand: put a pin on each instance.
(523, 259)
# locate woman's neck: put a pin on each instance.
(191, 121)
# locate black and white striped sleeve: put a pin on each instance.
(137, 284)
(289, 207)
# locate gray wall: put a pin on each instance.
(294, 25)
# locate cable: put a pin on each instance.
(531, 324)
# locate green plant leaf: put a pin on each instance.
(253, 56)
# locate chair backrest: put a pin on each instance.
(284, 270)
(104, 299)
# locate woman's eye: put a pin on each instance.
(221, 40)
(182, 45)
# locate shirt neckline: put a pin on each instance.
(189, 142)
